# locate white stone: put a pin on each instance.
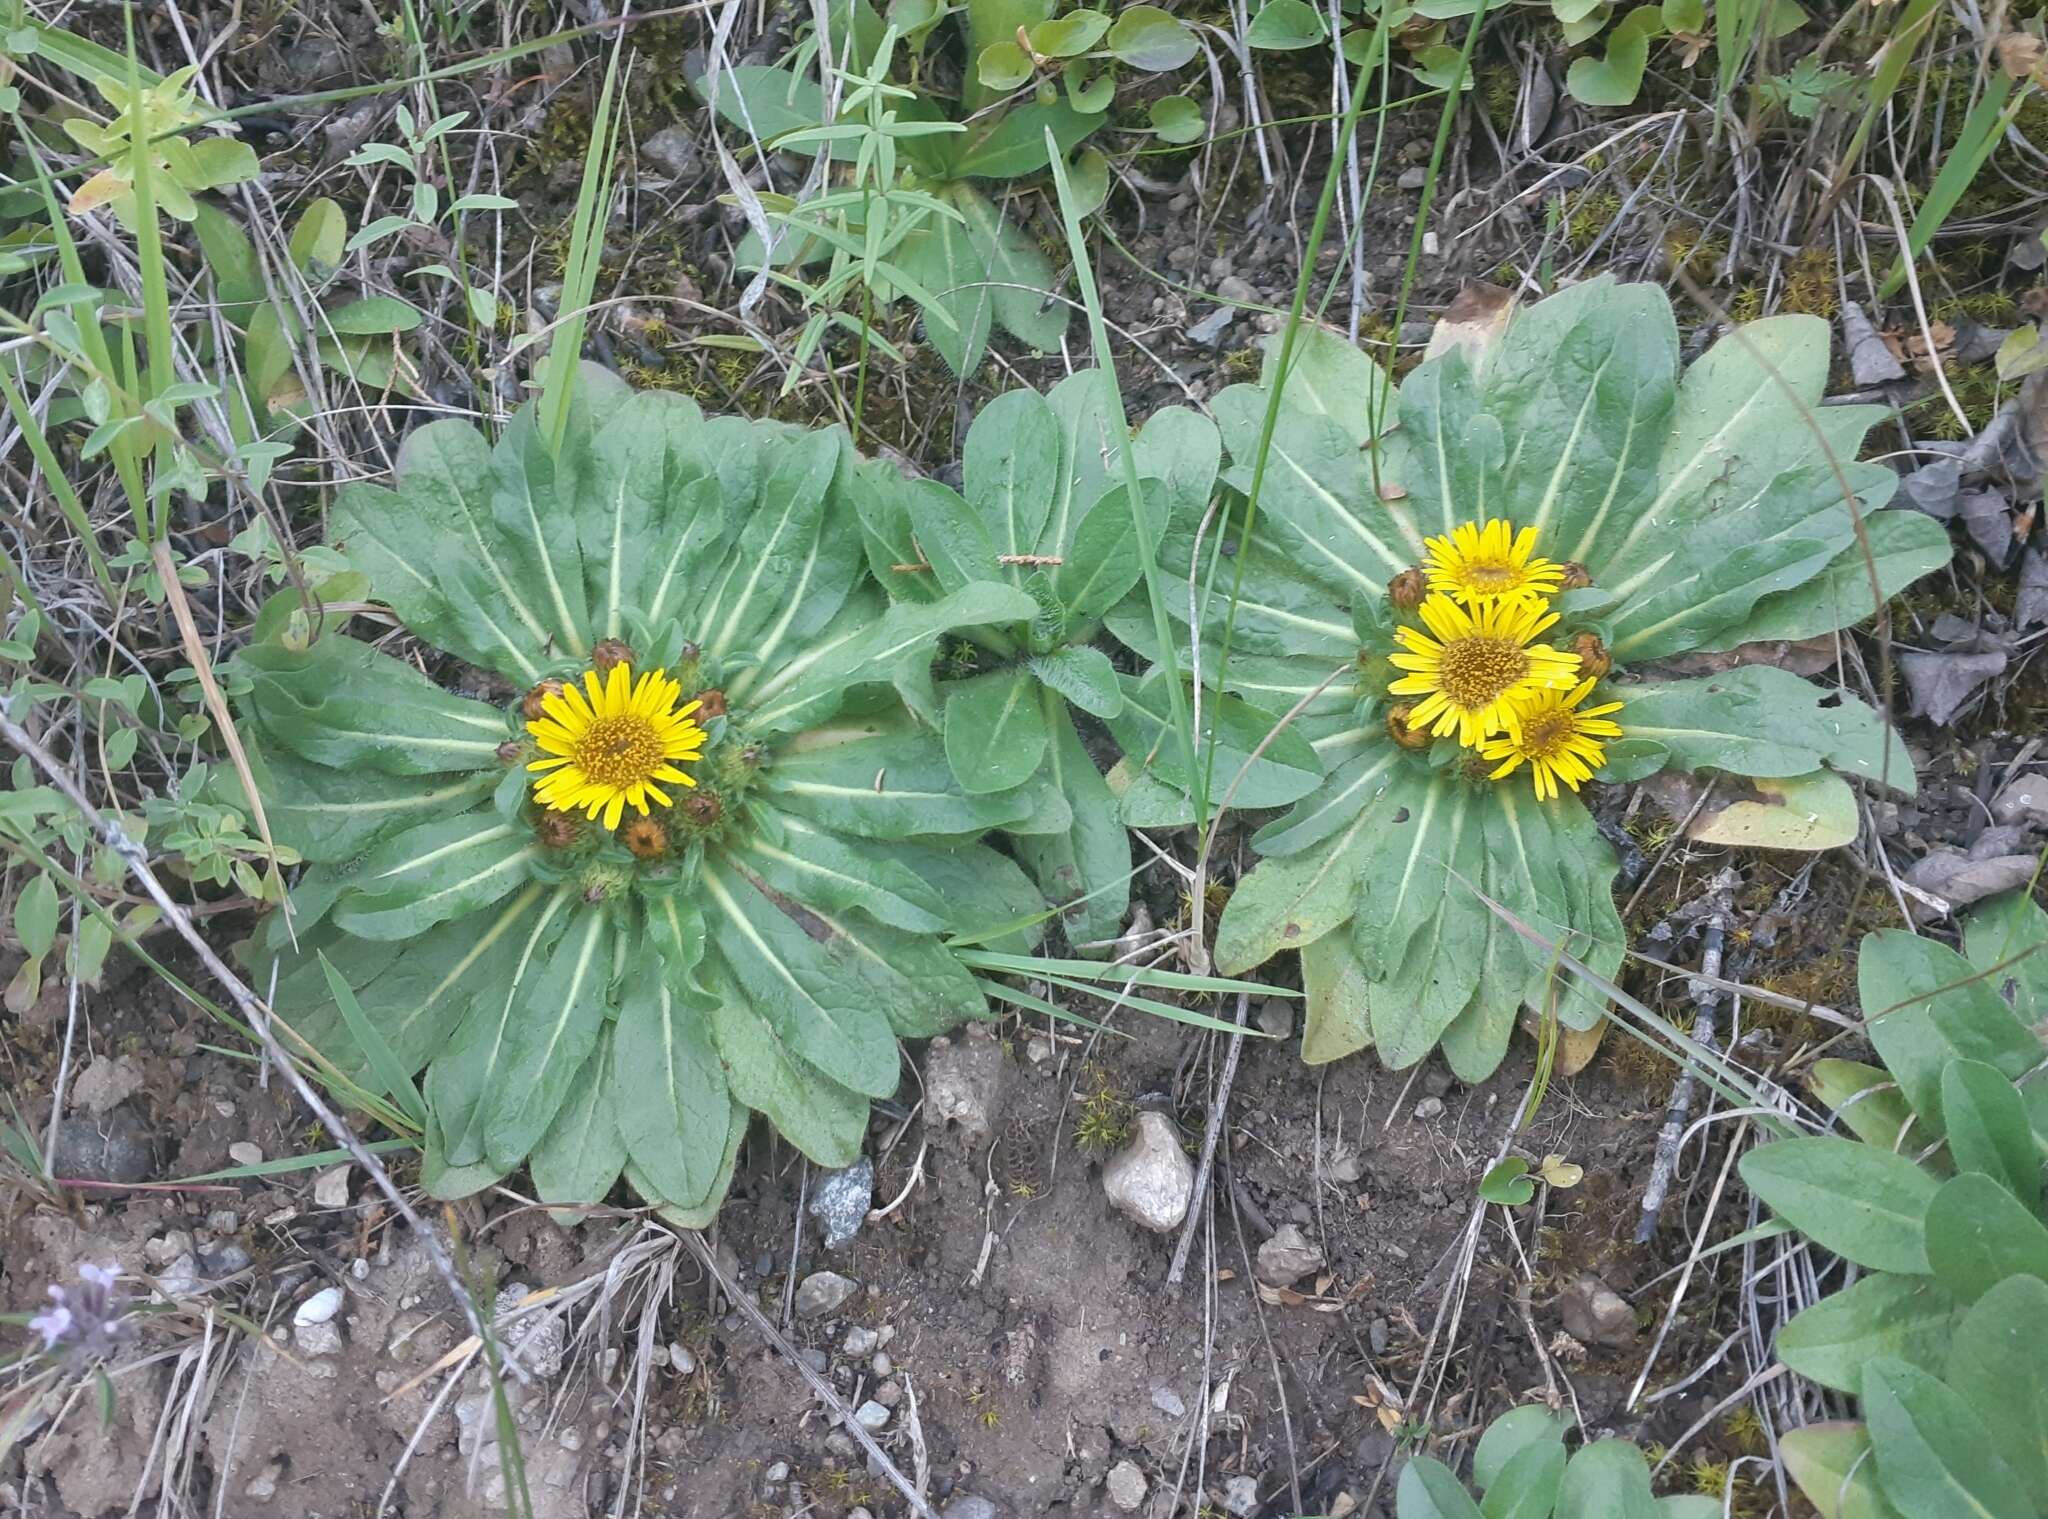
(1127, 1486)
(1151, 1179)
(245, 1154)
(1241, 1496)
(331, 1189)
(1287, 1257)
(323, 1338)
(822, 1293)
(319, 1308)
(871, 1416)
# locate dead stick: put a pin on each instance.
(1706, 1000)
(1217, 1101)
(254, 1011)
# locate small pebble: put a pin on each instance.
(776, 1474)
(331, 1190)
(1428, 1108)
(245, 1154)
(1168, 1402)
(871, 1416)
(861, 1340)
(881, 1365)
(319, 1308)
(814, 1358)
(823, 1293)
(680, 1360)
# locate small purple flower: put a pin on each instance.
(85, 1322)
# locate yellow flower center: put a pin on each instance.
(1546, 735)
(617, 751)
(1475, 671)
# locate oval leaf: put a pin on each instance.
(1865, 1204)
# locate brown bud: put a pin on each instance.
(2021, 55)
(1476, 768)
(609, 652)
(645, 839)
(534, 704)
(711, 702)
(703, 808)
(509, 751)
(752, 755)
(1594, 660)
(1407, 589)
(1399, 731)
(557, 830)
(1576, 576)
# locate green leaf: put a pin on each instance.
(1988, 1129)
(1615, 79)
(318, 237)
(1507, 1183)
(1927, 1005)
(1762, 721)
(1086, 868)
(1286, 770)
(1905, 546)
(1291, 901)
(1090, 95)
(394, 1077)
(434, 872)
(374, 314)
(549, 1039)
(995, 731)
(1512, 1433)
(1013, 143)
(1608, 1479)
(1066, 36)
(1808, 812)
(231, 260)
(1979, 1234)
(1911, 1317)
(1010, 471)
(667, 1091)
(1282, 25)
(579, 1158)
(781, 956)
(954, 542)
(2009, 935)
(1528, 1485)
(1177, 119)
(1003, 66)
(1151, 39)
(822, 1119)
(1865, 1204)
(1082, 676)
(815, 866)
(1337, 998)
(1865, 1098)
(329, 815)
(768, 103)
(1933, 1455)
(1831, 1463)
(35, 916)
(1995, 1363)
(877, 784)
(1429, 1490)
(344, 705)
(1104, 560)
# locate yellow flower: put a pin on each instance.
(608, 747)
(1481, 565)
(1480, 666)
(1560, 740)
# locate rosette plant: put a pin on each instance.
(641, 823)
(1042, 508)
(1462, 592)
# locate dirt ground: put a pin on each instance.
(1010, 1338)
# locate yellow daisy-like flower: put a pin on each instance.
(1475, 669)
(1559, 741)
(607, 744)
(1481, 565)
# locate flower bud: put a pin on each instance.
(1576, 576)
(557, 830)
(645, 839)
(703, 808)
(1594, 660)
(1399, 731)
(711, 702)
(610, 652)
(1407, 589)
(534, 704)
(509, 751)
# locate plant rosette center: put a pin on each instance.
(1483, 671)
(629, 771)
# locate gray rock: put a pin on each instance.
(1127, 1486)
(246, 1154)
(839, 1443)
(1287, 1257)
(167, 1247)
(263, 1486)
(871, 1416)
(1168, 1402)
(1235, 289)
(1208, 332)
(225, 1261)
(331, 1189)
(1276, 1018)
(968, 1506)
(106, 1083)
(539, 1339)
(114, 1147)
(1241, 1496)
(881, 1365)
(823, 1293)
(318, 1339)
(815, 1358)
(963, 1078)
(2023, 799)
(1151, 1179)
(1412, 178)
(180, 1278)
(776, 1474)
(1428, 1108)
(841, 1203)
(861, 1340)
(1595, 1314)
(674, 151)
